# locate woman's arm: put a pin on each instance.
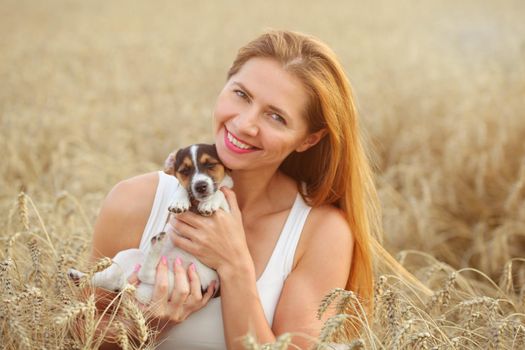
(322, 263)
(119, 226)
(123, 216)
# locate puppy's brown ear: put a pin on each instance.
(169, 164)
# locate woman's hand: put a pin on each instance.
(186, 297)
(218, 241)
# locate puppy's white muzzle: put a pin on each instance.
(202, 187)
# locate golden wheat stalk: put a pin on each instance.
(250, 343)
(328, 300)
(331, 326)
(122, 336)
(133, 313)
(66, 195)
(22, 210)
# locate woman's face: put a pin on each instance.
(259, 116)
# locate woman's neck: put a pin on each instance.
(254, 188)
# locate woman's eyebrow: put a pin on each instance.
(272, 107)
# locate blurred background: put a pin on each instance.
(93, 92)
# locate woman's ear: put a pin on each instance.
(311, 140)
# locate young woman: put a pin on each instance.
(304, 207)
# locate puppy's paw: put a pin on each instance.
(179, 205)
(75, 275)
(211, 205)
(206, 212)
(158, 238)
(207, 208)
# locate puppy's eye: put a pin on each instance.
(209, 165)
(184, 171)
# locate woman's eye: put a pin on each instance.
(278, 118)
(241, 94)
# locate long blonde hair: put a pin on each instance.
(336, 170)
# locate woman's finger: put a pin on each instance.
(181, 290)
(184, 244)
(189, 218)
(209, 293)
(181, 228)
(195, 283)
(232, 200)
(160, 290)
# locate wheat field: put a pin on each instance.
(93, 92)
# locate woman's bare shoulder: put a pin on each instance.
(326, 233)
(135, 186)
(328, 215)
(123, 215)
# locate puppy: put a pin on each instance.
(200, 175)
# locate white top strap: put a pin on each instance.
(296, 223)
(159, 211)
(280, 264)
(281, 260)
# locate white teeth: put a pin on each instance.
(237, 142)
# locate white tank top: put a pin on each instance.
(204, 329)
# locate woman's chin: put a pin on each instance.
(231, 162)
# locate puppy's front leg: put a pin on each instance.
(148, 270)
(181, 201)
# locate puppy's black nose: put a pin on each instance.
(201, 187)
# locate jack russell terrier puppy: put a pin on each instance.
(200, 175)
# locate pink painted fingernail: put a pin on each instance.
(192, 267)
(137, 268)
(178, 261)
(164, 260)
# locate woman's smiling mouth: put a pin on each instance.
(236, 145)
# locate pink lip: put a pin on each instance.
(234, 148)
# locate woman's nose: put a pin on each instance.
(247, 121)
